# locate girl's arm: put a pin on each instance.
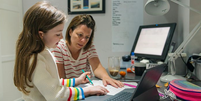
(51, 88)
(54, 89)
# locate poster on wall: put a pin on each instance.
(86, 6)
(127, 16)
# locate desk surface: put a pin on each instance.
(130, 76)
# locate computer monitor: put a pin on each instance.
(152, 42)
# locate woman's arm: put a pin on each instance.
(100, 72)
(97, 68)
(61, 70)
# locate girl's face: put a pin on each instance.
(53, 36)
(80, 36)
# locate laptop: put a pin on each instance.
(145, 90)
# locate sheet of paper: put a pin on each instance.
(127, 16)
(112, 90)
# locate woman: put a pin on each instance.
(77, 52)
(35, 71)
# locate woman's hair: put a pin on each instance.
(81, 20)
(40, 17)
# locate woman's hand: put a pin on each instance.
(82, 78)
(95, 90)
(109, 81)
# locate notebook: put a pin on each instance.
(145, 90)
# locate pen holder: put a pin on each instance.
(180, 66)
(198, 69)
(139, 68)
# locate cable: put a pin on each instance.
(183, 62)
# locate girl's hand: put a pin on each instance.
(95, 90)
(82, 78)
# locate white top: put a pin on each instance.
(46, 83)
(73, 68)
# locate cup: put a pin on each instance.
(114, 65)
(198, 69)
(139, 68)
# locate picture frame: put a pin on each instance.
(86, 6)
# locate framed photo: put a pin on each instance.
(86, 6)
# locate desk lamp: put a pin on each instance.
(161, 7)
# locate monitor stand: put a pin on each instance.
(152, 61)
(144, 61)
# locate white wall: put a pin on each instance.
(194, 45)
(103, 36)
(170, 17)
(1, 76)
(183, 21)
(10, 27)
(103, 33)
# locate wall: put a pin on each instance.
(1, 76)
(187, 20)
(103, 33)
(10, 27)
(170, 17)
(194, 45)
(183, 21)
(102, 40)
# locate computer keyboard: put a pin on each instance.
(121, 96)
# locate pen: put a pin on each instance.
(130, 85)
(88, 77)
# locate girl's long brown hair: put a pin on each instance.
(40, 17)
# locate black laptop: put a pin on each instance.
(145, 90)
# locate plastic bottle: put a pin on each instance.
(132, 62)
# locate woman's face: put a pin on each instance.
(53, 36)
(80, 36)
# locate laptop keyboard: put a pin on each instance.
(122, 96)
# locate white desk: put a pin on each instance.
(130, 76)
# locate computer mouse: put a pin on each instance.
(126, 58)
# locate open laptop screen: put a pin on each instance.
(146, 89)
(149, 79)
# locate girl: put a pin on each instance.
(35, 71)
